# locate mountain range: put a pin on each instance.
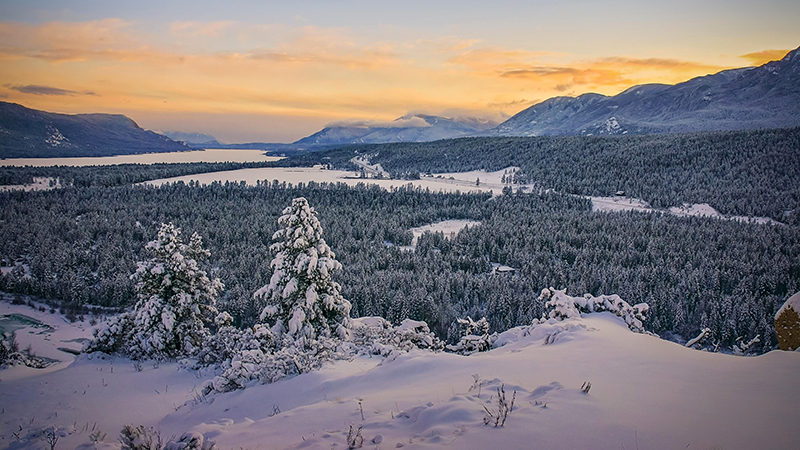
(767, 96)
(26, 133)
(409, 128)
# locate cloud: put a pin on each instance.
(563, 78)
(35, 89)
(764, 56)
(513, 103)
(492, 59)
(618, 72)
(200, 29)
(659, 63)
(66, 41)
(447, 44)
(361, 58)
(556, 72)
(402, 122)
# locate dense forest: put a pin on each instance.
(746, 173)
(81, 244)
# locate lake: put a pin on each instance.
(207, 155)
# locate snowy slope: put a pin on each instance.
(746, 98)
(646, 393)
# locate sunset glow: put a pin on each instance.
(252, 71)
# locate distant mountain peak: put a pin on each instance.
(189, 138)
(412, 127)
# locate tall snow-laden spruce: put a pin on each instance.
(175, 298)
(301, 298)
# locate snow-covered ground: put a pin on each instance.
(706, 210)
(614, 204)
(645, 393)
(449, 228)
(49, 338)
(39, 184)
(320, 175)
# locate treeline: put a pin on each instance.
(116, 175)
(748, 173)
(80, 245)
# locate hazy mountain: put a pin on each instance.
(28, 132)
(409, 128)
(755, 97)
(193, 139)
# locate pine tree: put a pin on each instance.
(175, 297)
(301, 298)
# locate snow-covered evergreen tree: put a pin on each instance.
(176, 298)
(302, 300)
(474, 336)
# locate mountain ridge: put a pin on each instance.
(30, 133)
(408, 128)
(767, 96)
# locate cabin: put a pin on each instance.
(500, 269)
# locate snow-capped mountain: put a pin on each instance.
(409, 128)
(767, 96)
(192, 139)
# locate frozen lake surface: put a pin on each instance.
(207, 155)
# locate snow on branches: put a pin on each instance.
(561, 306)
(474, 337)
(302, 299)
(175, 301)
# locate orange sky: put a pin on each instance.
(278, 75)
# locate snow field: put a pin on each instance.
(645, 391)
(449, 228)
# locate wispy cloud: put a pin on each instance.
(765, 56)
(556, 72)
(402, 122)
(66, 41)
(512, 103)
(47, 90)
(198, 29)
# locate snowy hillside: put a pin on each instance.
(736, 99)
(645, 393)
(409, 128)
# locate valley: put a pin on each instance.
(399, 225)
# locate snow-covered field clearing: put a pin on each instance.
(645, 393)
(39, 184)
(208, 155)
(449, 228)
(614, 204)
(318, 174)
(443, 182)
